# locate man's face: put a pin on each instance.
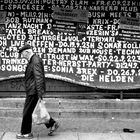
(25, 54)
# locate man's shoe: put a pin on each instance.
(53, 128)
(24, 136)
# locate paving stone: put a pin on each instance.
(90, 136)
(99, 136)
(12, 136)
(75, 136)
(59, 136)
(130, 136)
(112, 136)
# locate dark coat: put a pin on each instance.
(34, 77)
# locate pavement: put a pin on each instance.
(76, 136)
(95, 129)
(76, 129)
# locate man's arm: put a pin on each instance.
(39, 78)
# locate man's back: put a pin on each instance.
(34, 76)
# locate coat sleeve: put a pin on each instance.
(38, 71)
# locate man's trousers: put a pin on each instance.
(30, 103)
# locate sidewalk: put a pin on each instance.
(76, 136)
(76, 129)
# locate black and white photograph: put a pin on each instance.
(70, 69)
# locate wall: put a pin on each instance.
(54, 88)
(92, 43)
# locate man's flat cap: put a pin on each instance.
(24, 48)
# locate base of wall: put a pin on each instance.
(58, 88)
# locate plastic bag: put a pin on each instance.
(40, 114)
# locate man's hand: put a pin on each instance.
(40, 97)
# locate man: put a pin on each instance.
(35, 88)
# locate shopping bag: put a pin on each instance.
(40, 114)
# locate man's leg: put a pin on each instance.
(53, 125)
(50, 123)
(29, 106)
